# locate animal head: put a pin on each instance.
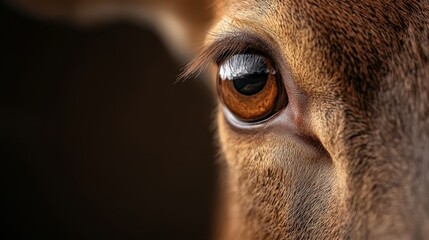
(339, 148)
(323, 117)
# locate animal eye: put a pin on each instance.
(250, 87)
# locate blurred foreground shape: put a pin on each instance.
(97, 140)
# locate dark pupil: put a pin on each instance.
(250, 84)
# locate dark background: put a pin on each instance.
(97, 142)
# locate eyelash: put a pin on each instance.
(228, 45)
(228, 53)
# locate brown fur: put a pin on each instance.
(360, 74)
(349, 156)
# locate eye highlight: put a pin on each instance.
(250, 87)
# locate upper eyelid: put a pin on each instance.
(224, 46)
(236, 45)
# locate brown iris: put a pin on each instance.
(249, 87)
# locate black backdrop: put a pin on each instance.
(96, 140)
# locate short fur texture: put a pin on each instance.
(360, 74)
(348, 158)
